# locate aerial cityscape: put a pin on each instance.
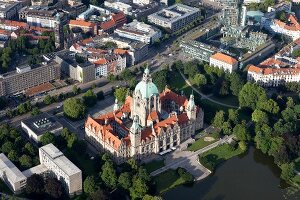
(149, 99)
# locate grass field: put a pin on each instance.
(212, 158)
(154, 165)
(200, 143)
(167, 180)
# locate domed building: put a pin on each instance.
(147, 123)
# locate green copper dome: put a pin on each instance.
(147, 89)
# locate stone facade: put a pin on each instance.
(147, 123)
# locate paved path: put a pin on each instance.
(205, 96)
(189, 160)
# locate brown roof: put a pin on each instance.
(224, 58)
(81, 23)
(39, 89)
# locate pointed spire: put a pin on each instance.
(191, 103)
(147, 71)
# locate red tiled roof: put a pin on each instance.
(224, 58)
(81, 23)
(120, 51)
(168, 94)
(108, 25)
(101, 61)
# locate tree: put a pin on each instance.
(200, 80)
(74, 108)
(219, 119)
(47, 138)
(289, 115)
(287, 171)
(125, 180)
(243, 145)
(263, 137)
(109, 175)
(54, 188)
(35, 111)
(13, 155)
(111, 78)
(236, 83)
(269, 106)
(160, 79)
(276, 144)
(35, 185)
(251, 94)
(296, 53)
(89, 185)
(29, 148)
(259, 116)
(241, 132)
(143, 174)
(290, 102)
(233, 116)
(7, 147)
(48, 100)
(120, 94)
(226, 128)
(139, 188)
(89, 98)
(25, 161)
(75, 90)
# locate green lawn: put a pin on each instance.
(212, 158)
(167, 180)
(200, 143)
(4, 188)
(154, 165)
(178, 84)
(230, 100)
(83, 162)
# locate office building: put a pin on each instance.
(139, 31)
(198, 50)
(61, 168)
(11, 175)
(38, 125)
(175, 17)
(25, 77)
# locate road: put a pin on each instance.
(189, 160)
(203, 96)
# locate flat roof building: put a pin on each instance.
(139, 31)
(37, 125)
(26, 77)
(61, 167)
(11, 175)
(175, 17)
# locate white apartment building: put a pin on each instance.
(292, 29)
(120, 6)
(139, 31)
(61, 168)
(11, 175)
(223, 61)
(281, 68)
(142, 2)
(175, 17)
(42, 18)
(272, 77)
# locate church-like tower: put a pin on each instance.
(145, 99)
(135, 137)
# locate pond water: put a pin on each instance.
(251, 176)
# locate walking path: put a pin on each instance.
(189, 160)
(203, 95)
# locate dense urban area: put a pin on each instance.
(133, 99)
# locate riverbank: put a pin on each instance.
(214, 157)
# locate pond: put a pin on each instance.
(249, 176)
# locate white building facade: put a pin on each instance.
(223, 61)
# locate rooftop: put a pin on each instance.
(42, 123)
(224, 58)
(10, 170)
(60, 160)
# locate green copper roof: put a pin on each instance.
(147, 89)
